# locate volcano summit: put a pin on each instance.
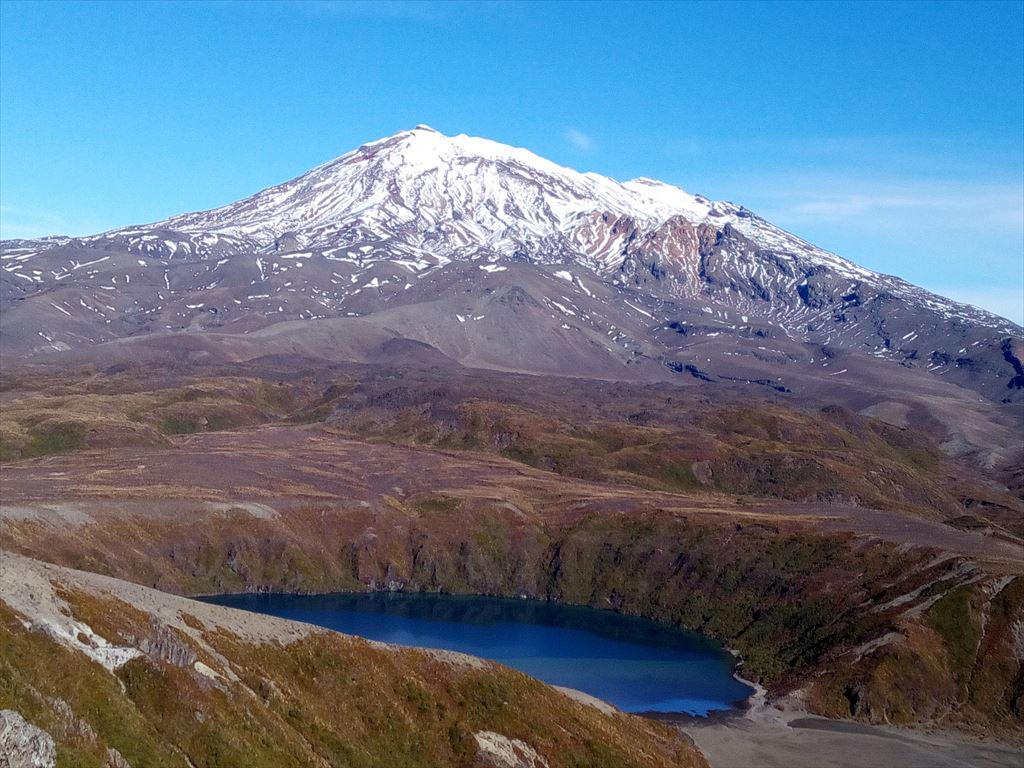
(463, 250)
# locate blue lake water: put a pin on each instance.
(636, 664)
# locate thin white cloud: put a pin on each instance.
(960, 239)
(579, 139)
(831, 199)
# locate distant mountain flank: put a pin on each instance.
(498, 258)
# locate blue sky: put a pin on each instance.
(889, 133)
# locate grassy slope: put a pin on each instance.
(796, 605)
(324, 699)
(654, 437)
(62, 416)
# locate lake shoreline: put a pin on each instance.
(778, 732)
(782, 734)
(634, 663)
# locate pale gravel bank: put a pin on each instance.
(767, 737)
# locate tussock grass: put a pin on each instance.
(325, 698)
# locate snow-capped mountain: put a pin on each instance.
(497, 257)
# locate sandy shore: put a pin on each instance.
(766, 737)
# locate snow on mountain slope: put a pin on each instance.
(408, 220)
(447, 193)
(418, 181)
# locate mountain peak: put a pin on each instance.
(445, 197)
(428, 231)
(452, 191)
(434, 148)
